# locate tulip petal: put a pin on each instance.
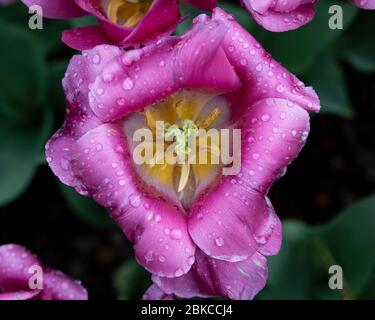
(210, 277)
(15, 262)
(84, 38)
(365, 4)
(155, 293)
(114, 31)
(145, 76)
(58, 286)
(263, 77)
(57, 9)
(82, 71)
(202, 4)
(104, 167)
(232, 221)
(161, 19)
(285, 16)
(20, 295)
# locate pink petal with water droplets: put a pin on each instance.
(210, 277)
(15, 274)
(84, 38)
(105, 169)
(233, 220)
(15, 262)
(262, 76)
(57, 9)
(145, 76)
(155, 293)
(282, 15)
(58, 286)
(365, 4)
(83, 70)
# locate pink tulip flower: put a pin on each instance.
(121, 22)
(208, 234)
(18, 266)
(365, 4)
(285, 15)
(281, 15)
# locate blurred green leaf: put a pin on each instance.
(82, 22)
(56, 97)
(359, 44)
(327, 78)
(241, 14)
(190, 13)
(85, 208)
(23, 71)
(290, 272)
(298, 49)
(351, 240)
(300, 271)
(20, 150)
(49, 37)
(131, 281)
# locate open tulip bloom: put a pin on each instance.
(126, 23)
(284, 15)
(198, 231)
(121, 22)
(24, 277)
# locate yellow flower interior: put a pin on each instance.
(127, 12)
(179, 110)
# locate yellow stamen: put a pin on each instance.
(184, 177)
(206, 123)
(127, 12)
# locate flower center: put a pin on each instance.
(181, 136)
(187, 119)
(127, 12)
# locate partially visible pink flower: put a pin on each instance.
(281, 15)
(212, 237)
(17, 266)
(121, 22)
(365, 4)
(6, 2)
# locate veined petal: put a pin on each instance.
(145, 76)
(114, 31)
(82, 71)
(161, 19)
(84, 38)
(262, 76)
(105, 169)
(235, 219)
(275, 131)
(57, 9)
(210, 277)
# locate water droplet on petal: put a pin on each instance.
(134, 200)
(128, 84)
(219, 242)
(176, 234)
